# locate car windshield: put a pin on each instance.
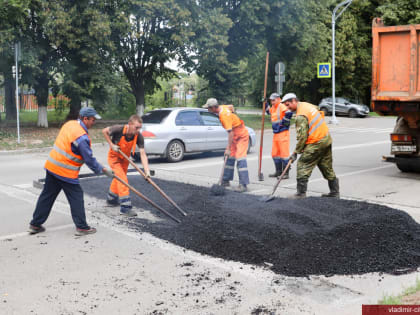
(155, 116)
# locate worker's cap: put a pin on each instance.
(211, 102)
(89, 112)
(289, 97)
(273, 96)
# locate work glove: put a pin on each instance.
(227, 153)
(147, 174)
(108, 172)
(115, 148)
(293, 157)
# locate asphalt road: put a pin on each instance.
(119, 271)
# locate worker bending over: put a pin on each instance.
(124, 138)
(72, 148)
(314, 143)
(237, 146)
(280, 122)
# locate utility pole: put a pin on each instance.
(335, 16)
(17, 52)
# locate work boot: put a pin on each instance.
(241, 188)
(334, 189)
(277, 173)
(112, 202)
(301, 189)
(128, 213)
(35, 229)
(81, 232)
(225, 183)
(286, 175)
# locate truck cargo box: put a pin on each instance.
(395, 69)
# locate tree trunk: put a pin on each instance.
(75, 105)
(10, 97)
(139, 94)
(41, 93)
(42, 117)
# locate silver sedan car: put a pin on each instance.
(343, 107)
(172, 132)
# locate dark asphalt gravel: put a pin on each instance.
(304, 237)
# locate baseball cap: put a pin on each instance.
(288, 97)
(89, 112)
(274, 96)
(210, 103)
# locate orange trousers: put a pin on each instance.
(281, 144)
(120, 167)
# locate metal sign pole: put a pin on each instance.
(17, 90)
(334, 18)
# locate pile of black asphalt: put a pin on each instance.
(312, 236)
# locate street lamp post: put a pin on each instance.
(335, 16)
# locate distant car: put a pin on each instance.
(172, 132)
(343, 107)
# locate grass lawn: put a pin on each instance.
(254, 121)
(34, 137)
(408, 296)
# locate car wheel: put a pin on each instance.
(249, 146)
(175, 151)
(323, 109)
(352, 113)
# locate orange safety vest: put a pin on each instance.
(318, 129)
(61, 160)
(125, 146)
(226, 113)
(277, 114)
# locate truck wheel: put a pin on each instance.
(175, 151)
(408, 165)
(352, 113)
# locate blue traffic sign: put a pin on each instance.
(324, 70)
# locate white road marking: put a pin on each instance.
(23, 186)
(188, 165)
(16, 235)
(361, 130)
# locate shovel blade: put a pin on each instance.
(261, 177)
(267, 198)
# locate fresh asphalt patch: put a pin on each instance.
(312, 236)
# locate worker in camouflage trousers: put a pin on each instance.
(314, 143)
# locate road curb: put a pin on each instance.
(43, 149)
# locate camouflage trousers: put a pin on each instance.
(316, 154)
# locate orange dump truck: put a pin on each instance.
(396, 88)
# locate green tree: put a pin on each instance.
(12, 17)
(147, 35)
(80, 30)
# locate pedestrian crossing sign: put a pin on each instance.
(324, 70)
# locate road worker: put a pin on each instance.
(313, 143)
(237, 147)
(280, 122)
(71, 149)
(124, 138)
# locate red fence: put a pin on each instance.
(28, 102)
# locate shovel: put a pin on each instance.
(150, 181)
(218, 189)
(145, 198)
(271, 196)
